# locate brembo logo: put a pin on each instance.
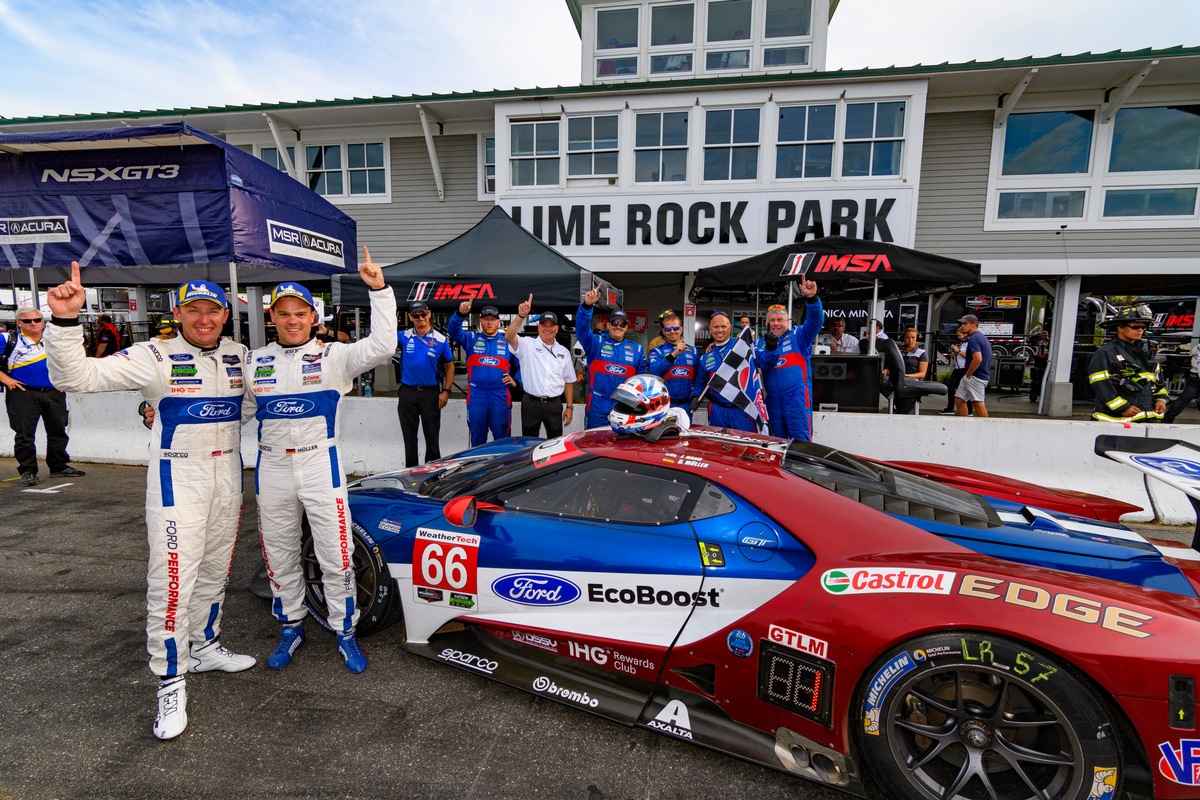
(98, 174)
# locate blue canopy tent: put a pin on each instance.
(159, 205)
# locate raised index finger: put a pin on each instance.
(367, 253)
(75, 273)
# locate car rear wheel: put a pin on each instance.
(983, 717)
(376, 599)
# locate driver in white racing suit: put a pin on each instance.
(194, 481)
(296, 386)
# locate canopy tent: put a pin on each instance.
(158, 205)
(497, 262)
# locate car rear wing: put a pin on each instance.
(1171, 461)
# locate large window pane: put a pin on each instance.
(671, 24)
(889, 120)
(1152, 139)
(546, 138)
(616, 28)
(522, 139)
(860, 120)
(818, 161)
(885, 158)
(680, 62)
(674, 165)
(1047, 143)
(856, 159)
(785, 56)
(1150, 203)
(728, 20)
(674, 127)
(716, 164)
(718, 126)
(744, 166)
(1041, 205)
(788, 18)
(727, 59)
(653, 134)
(820, 122)
(616, 66)
(745, 126)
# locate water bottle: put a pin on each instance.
(367, 384)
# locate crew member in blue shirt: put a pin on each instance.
(675, 361)
(424, 392)
(489, 403)
(784, 356)
(721, 413)
(611, 358)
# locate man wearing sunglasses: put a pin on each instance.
(29, 396)
(839, 340)
(1127, 380)
(424, 391)
(675, 361)
(611, 358)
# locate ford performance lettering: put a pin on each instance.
(214, 410)
(97, 174)
(536, 589)
(290, 408)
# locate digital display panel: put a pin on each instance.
(801, 684)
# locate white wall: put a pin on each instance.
(106, 428)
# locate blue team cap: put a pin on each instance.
(291, 290)
(490, 311)
(200, 290)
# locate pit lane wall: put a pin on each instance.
(106, 428)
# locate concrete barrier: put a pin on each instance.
(106, 428)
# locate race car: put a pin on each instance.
(804, 609)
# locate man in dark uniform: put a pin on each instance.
(423, 390)
(1127, 380)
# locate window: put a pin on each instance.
(786, 18)
(1156, 139)
(671, 24)
(1150, 203)
(1048, 143)
(534, 153)
(660, 147)
(324, 166)
(874, 138)
(727, 59)
(592, 146)
(489, 165)
(601, 493)
(806, 136)
(1041, 205)
(785, 56)
(729, 20)
(354, 170)
(617, 28)
(271, 156)
(731, 144)
(677, 62)
(365, 168)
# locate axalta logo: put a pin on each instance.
(649, 596)
(543, 684)
(887, 581)
(289, 240)
(33, 230)
(862, 262)
(464, 291)
(290, 408)
(98, 174)
(469, 660)
(214, 410)
(673, 719)
(1181, 764)
(536, 589)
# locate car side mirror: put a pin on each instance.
(462, 511)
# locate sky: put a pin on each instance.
(63, 57)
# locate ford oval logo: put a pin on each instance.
(1174, 466)
(615, 369)
(681, 372)
(489, 361)
(290, 407)
(536, 589)
(215, 410)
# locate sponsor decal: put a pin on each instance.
(293, 407)
(185, 382)
(181, 357)
(34, 230)
(860, 262)
(231, 360)
(389, 525)
(469, 660)
(98, 174)
(1061, 604)
(307, 369)
(673, 719)
(615, 369)
(1181, 763)
(429, 595)
(546, 686)
(1104, 783)
(692, 461)
(679, 372)
(432, 290)
(887, 581)
(310, 380)
(289, 240)
(235, 383)
(447, 561)
(233, 372)
(264, 360)
(489, 361)
(460, 600)
(711, 554)
(171, 542)
(535, 640)
(264, 372)
(215, 410)
(649, 596)
(1173, 466)
(175, 454)
(877, 690)
(536, 589)
(740, 643)
(182, 371)
(798, 264)
(588, 652)
(798, 641)
(311, 358)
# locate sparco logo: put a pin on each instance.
(214, 410)
(887, 581)
(32, 230)
(535, 589)
(97, 174)
(543, 684)
(648, 596)
(290, 408)
(288, 240)
(469, 660)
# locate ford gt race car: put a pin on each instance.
(805, 609)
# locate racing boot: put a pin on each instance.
(172, 709)
(356, 659)
(211, 656)
(290, 639)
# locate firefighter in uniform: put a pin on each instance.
(1128, 382)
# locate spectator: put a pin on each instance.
(1127, 380)
(1038, 364)
(839, 340)
(547, 374)
(720, 413)
(784, 356)
(108, 338)
(916, 366)
(1191, 388)
(746, 322)
(424, 391)
(958, 369)
(879, 334)
(657, 340)
(978, 354)
(489, 402)
(675, 361)
(611, 358)
(30, 396)
(168, 328)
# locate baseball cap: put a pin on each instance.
(200, 290)
(618, 315)
(969, 318)
(548, 316)
(291, 290)
(490, 311)
(417, 306)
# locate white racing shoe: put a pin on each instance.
(172, 709)
(212, 657)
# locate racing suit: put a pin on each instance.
(489, 404)
(194, 483)
(1122, 374)
(720, 413)
(295, 395)
(678, 372)
(787, 377)
(608, 362)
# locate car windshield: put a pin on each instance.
(467, 477)
(885, 489)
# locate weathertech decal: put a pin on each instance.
(446, 562)
(887, 581)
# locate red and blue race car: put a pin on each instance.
(805, 609)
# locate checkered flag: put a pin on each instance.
(736, 380)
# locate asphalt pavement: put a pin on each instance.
(78, 699)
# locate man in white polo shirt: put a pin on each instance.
(547, 374)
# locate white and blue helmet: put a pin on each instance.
(640, 403)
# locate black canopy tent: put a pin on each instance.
(497, 262)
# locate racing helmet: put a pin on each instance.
(640, 403)
(1139, 313)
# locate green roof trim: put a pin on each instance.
(916, 70)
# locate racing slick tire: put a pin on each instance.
(376, 598)
(981, 716)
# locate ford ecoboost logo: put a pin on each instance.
(536, 589)
(489, 361)
(215, 410)
(290, 408)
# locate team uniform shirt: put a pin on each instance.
(913, 358)
(609, 363)
(295, 394)
(421, 357)
(678, 373)
(787, 375)
(545, 369)
(194, 482)
(489, 404)
(108, 336)
(27, 363)
(1124, 374)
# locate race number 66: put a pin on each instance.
(448, 561)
